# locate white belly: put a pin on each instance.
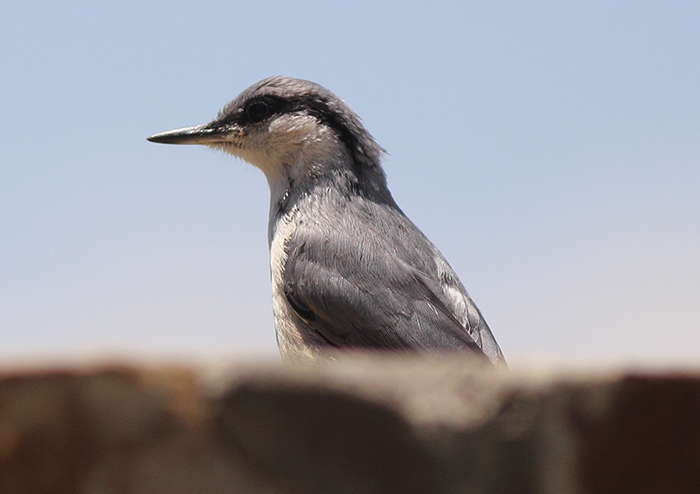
(287, 324)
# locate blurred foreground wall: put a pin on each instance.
(359, 425)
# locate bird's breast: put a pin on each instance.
(288, 326)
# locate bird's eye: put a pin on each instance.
(258, 111)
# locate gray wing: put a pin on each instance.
(370, 278)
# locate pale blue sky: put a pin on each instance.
(551, 150)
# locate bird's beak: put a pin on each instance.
(201, 134)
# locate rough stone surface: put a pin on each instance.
(362, 424)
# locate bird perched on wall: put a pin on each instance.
(349, 269)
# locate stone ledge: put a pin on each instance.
(362, 424)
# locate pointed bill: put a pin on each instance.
(200, 134)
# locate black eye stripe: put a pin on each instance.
(264, 107)
(257, 111)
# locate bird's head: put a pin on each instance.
(286, 127)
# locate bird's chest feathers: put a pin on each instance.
(280, 232)
(287, 325)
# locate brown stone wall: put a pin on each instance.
(359, 425)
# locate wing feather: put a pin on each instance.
(371, 279)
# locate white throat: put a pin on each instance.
(291, 149)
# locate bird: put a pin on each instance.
(349, 270)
